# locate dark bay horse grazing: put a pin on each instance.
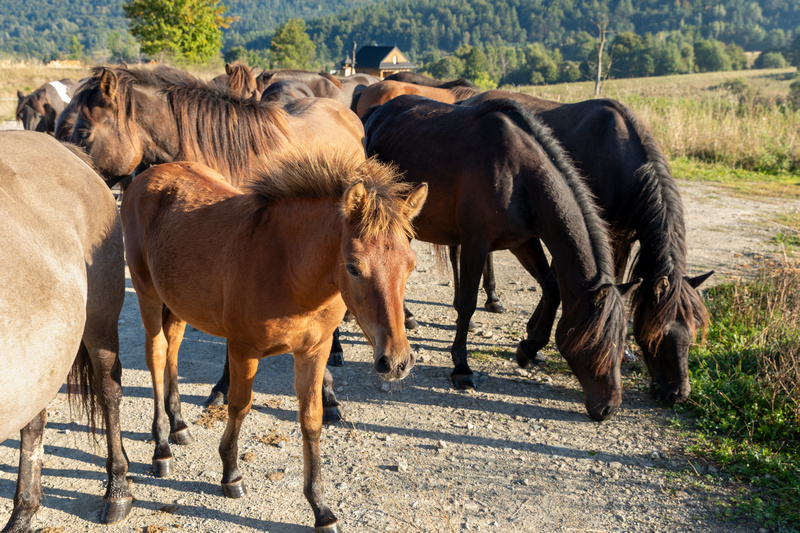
(239, 81)
(39, 110)
(62, 283)
(419, 79)
(630, 177)
(381, 92)
(340, 225)
(498, 180)
(131, 118)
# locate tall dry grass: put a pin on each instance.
(700, 116)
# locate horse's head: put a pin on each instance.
(241, 82)
(376, 261)
(105, 126)
(591, 337)
(31, 111)
(666, 318)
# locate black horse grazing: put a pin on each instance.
(498, 180)
(629, 175)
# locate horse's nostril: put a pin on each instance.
(382, 365)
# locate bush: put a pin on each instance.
(771, 59)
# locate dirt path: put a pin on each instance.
(517, 455)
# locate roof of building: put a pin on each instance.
(376, 56)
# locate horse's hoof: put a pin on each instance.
(411, 323)
(336, 359)
(116, 510)
(182, 437)
(215, 399)
(494, 307)
(333, 528)
(463, 382)
(472, 327)
(331, 415)
(162, 467)
(235, 489)
(524, 360)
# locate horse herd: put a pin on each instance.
(265, 207)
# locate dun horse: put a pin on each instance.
(504, 183)
(629, 175)
(62, 283)
(341, 227)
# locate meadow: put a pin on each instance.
(737, 131)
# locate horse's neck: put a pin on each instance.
(156, 126)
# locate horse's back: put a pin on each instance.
(322, 124)
(60, 227)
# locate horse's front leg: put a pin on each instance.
(473, 257)
(309, 372)
(174, 329)
(28, 497)
(532, 257)
(243, 363)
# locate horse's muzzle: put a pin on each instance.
(394, 368)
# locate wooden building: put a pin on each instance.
(379, 61)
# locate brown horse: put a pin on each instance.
(239, 81)
(381, 92)
(502, 182)
(39, 110)
(340, 225)
(629, 175)
(131, 118)
(62, 284)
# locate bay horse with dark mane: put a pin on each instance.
(502, 182)
(39, 110)
(62, 285)
(629, 175)
(383, 91)
(340, 226)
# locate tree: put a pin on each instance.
(710, 56)
(291, 47)
(770, 59)
(186, 29)
(75, 48)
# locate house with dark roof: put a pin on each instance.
(380, 61)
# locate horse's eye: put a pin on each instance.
(353, 270)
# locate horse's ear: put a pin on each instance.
(108, 83)
(698, 280)
(625, 288)
(354, 198)
(660, 287)
(123, 64)
(20, 94)
(415, 201)
(600, 296)
(228, 69)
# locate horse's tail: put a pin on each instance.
(81, 394)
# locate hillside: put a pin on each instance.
(44, 28)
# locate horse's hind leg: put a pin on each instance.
(472, 260)
(174, 328)
(28, 497)
(309, 372)
(533, 259)
(219, 392)
(492, 304)
(331, 409)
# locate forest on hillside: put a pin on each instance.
(430, 31)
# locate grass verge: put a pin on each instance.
(745, 383)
